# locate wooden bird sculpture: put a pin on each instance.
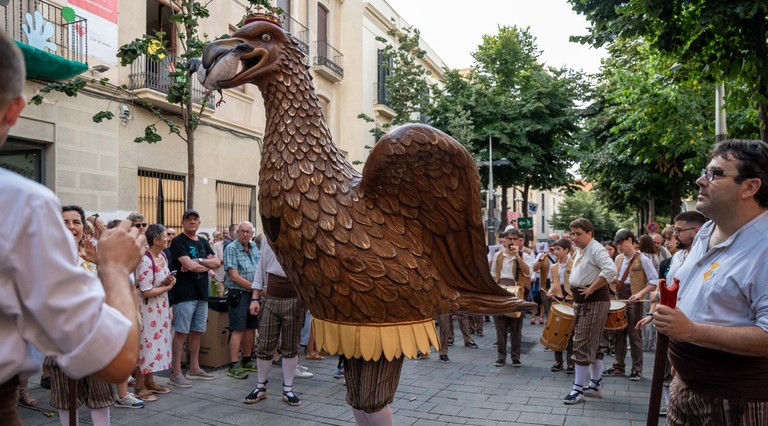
(223, 67)
(398, 244)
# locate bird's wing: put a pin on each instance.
(419, 174)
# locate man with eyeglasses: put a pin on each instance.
(719, 331)
(240, 261)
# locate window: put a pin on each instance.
(162, 197)
(322, 26)
(24, 158)
(235, 202)
(158, 19)
(285, 5)
(384, 68)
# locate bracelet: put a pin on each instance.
(256, 299)
(649, 314)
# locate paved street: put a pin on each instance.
(469, 390)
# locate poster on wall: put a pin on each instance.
(102, 27)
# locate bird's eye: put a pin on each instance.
(266, 37)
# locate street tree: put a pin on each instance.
(585, 204)
(406, 85)
(722, 41)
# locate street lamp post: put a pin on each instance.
(491, 196)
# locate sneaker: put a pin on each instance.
(444, 359)
(472, 344)
(199, 375)
(421, 355)
(290, 398)
(613, 371)
(570, 370)
(593, 389)
(339, 374)
(249, 366)
(256, 395)
(495, 344)
(179, 381)
(129, 401)
(516, 363)
(236, 371)
(499, 362)
(663, 411)
(635, 376)
(479, 334)
(557, 367)
(302, 368)
(302, 373)
(574, 397)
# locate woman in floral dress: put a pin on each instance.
(154, 281)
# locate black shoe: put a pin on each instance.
(487, 318)
(444, 359)
(499, 362)
(290, 398)
(45, 382)
(495, 344)
(570, 370)
(557, 367)
(516, 363)
(479, 334)
(472, 344)
(256, 395)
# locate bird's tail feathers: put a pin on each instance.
(479, 303)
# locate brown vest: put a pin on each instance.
(545, 266)
(520, 278)
(637, 279)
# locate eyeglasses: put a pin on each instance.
(244, 231)
(678, 231)
(711, 174)
(139, 225)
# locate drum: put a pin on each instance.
(617, 317)
(559, 327)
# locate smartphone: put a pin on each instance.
(173, 273)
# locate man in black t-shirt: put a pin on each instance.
(192, 257)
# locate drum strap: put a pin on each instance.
(624, 276)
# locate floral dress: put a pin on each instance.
(155, 343)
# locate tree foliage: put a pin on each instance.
(585, 204)
(720, 41)
(406, 80)
(526, 110)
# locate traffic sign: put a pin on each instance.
(525, 222)
(652, 227)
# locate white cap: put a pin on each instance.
(509, 228)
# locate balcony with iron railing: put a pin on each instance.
(149, 79)
(54, 40)
(298, 32)
(328, 61)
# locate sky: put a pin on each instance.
(454, 28)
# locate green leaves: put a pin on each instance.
(103, 115)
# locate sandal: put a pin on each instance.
(315, 357)
(541, 320)
(155, 388)
(146, 395)
(25, 398)
(533, 320)
(256, 395)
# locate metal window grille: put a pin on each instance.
(235, 202)
(162, 197)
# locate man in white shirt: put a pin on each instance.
(719, 332)
(91, 327)
(592, 271)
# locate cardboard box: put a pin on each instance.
(214, 345)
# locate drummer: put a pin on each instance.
(592, 271)
(560, 290)
(636, 278)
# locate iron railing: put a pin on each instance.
(298, 32)
(24, 19)
(329, 57)
(146, 73)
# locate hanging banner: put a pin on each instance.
(102, 27)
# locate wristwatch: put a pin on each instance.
(200, 260)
